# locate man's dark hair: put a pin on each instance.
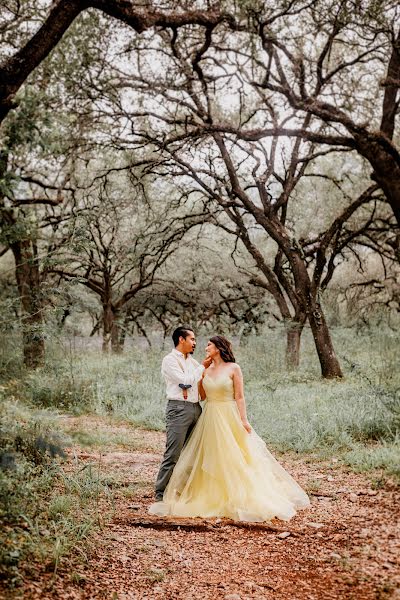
(180, 332)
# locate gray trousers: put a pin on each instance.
(181, 417)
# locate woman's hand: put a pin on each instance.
(207, 362)
(246, 425)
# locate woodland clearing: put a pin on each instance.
(345, 546)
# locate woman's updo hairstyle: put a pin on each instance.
(225, 348)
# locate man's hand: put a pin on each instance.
(207, 362)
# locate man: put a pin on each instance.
(182, 374)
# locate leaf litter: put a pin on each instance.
(345, 546)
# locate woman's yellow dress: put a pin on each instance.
(223, 471)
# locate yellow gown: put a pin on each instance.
(223, 471)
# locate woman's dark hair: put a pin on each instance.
(180, 332)
(225, 348)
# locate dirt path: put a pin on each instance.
(346, 546)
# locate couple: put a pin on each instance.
(215, 465)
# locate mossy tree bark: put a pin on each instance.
(28, 282)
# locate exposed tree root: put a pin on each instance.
(198, 524)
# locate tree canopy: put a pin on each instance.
(274, 125)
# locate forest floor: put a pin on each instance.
(345, 546)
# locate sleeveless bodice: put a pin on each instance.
(219, 389)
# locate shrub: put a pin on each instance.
(43, 512)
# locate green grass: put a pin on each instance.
(45, 513)
(358, 417)
(103, 439)
(127, 386)
(384, 456)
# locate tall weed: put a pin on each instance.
(42, 515)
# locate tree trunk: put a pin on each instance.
(111, 329)
(117, 337)
(307, 293)
(386, 170)
(330, 366)
(294, 330)
(108, 319)
(28, 283)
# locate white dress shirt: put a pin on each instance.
(175, 370)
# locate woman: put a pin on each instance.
(225, 469)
